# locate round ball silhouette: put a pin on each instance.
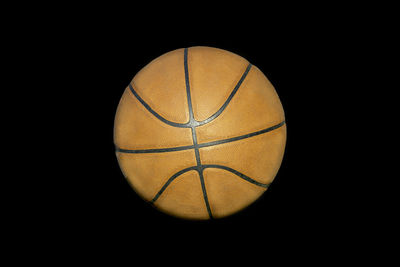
(200, 133)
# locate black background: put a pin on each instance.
(302, 200)
(88, 204)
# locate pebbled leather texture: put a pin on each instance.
(228, 193)
(184, 198)
(136, 128)
(170, 122)
(213, 73)
(165, 92)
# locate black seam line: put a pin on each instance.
(158, 116)
(200, 171)
(222, 108)
(195, 146)
(218, 142)
(223, 141)
(203, 188)
(241, 175)
(193, 123)
(173, 177)
(187, 84)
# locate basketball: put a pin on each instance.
(200, 133)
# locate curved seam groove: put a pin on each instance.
(228, 140)
(172, 178)
(158, 116)
(213, 143)
(193, 123)
(187, 85)
(239, 174)
(222, 108)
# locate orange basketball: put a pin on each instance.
(200, 133)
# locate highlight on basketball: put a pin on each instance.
(200, 133)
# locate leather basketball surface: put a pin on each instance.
(200, 133)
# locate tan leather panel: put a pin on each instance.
(213, 74)
(159, 80)
(227, 193)
(147, 173)
(255, 106)
(184, 197)
(258, 157)
(136, 128)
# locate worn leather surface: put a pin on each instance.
(136, 128)
(149, 172)
(213, 74)
(254, 107)
(228, 193)
(256, 156)
(184, 198)
(161, 83)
